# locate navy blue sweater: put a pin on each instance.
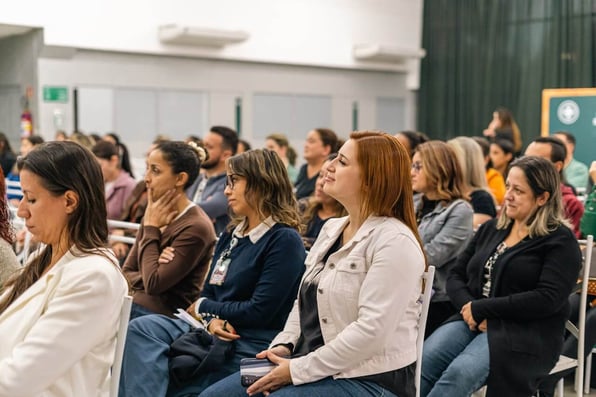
(261, 282)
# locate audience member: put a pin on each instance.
(353, 328)
(59, 315)
(168, 261)
(208, 190)
(194, 138)
(279, 144)
(27, 145)
(503, 126)
(134, 210)
(444, 218)
(7, 156)
(471, 162)
(243, 146)
(123, 154)
(319, 208)
(495, 180)
(249, 290)
(60, 136)
(554, 150)
(8, 260)
(501, 155)
(82, 139)
(411, 140)
(574, 171)
(511, 285)
(320, 143)
(118, 183)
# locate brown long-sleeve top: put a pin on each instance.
(162, 288)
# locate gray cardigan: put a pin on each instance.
(445, 232)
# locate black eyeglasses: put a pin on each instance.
(417, 166)
(231, 180)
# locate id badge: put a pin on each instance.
(219, 273)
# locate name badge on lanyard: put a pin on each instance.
(218, 276)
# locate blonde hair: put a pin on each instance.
(471, 161)
(542, 176)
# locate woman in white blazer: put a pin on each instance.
(59, 315)
(352, 331)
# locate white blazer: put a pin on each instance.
(367, 300)
(58, 338)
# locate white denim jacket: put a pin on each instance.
(367, 301)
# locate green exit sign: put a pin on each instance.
(55, 94)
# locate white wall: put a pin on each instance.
(18, 70)
(302, 32)
(223, 81)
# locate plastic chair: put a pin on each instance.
(120, 340)
(565, 362)
(428, 278)
(588, 376)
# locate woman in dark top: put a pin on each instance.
(319, 208)
(511, 286)
(469, 154)
(319, 144)
(249, 290)
(7, 156)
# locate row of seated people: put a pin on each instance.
(257, 293)
(173, 205)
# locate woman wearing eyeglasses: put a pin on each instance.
(249, 290)
(444, 217)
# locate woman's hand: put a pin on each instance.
(166, 256)
(277, 378)
(120, 249)
(162, 211)
(489, 132)
(482, 327)
(466, 312)
(222, 329)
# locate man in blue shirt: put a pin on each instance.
(208, 190)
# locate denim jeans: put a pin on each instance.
(327, 387)
(455, 361)
(145, 370)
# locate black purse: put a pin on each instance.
(195, 353)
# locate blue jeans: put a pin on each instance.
(145, 369)
(455, 361)
(327, 387)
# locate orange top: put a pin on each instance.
(496, 183)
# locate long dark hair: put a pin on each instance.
(61, 167)
(123, 154)
(6, 231)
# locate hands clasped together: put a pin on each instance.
(466, 312)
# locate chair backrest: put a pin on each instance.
(581, 335)
(428, 278)
(120, 340)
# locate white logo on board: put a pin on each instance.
(568, 112)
